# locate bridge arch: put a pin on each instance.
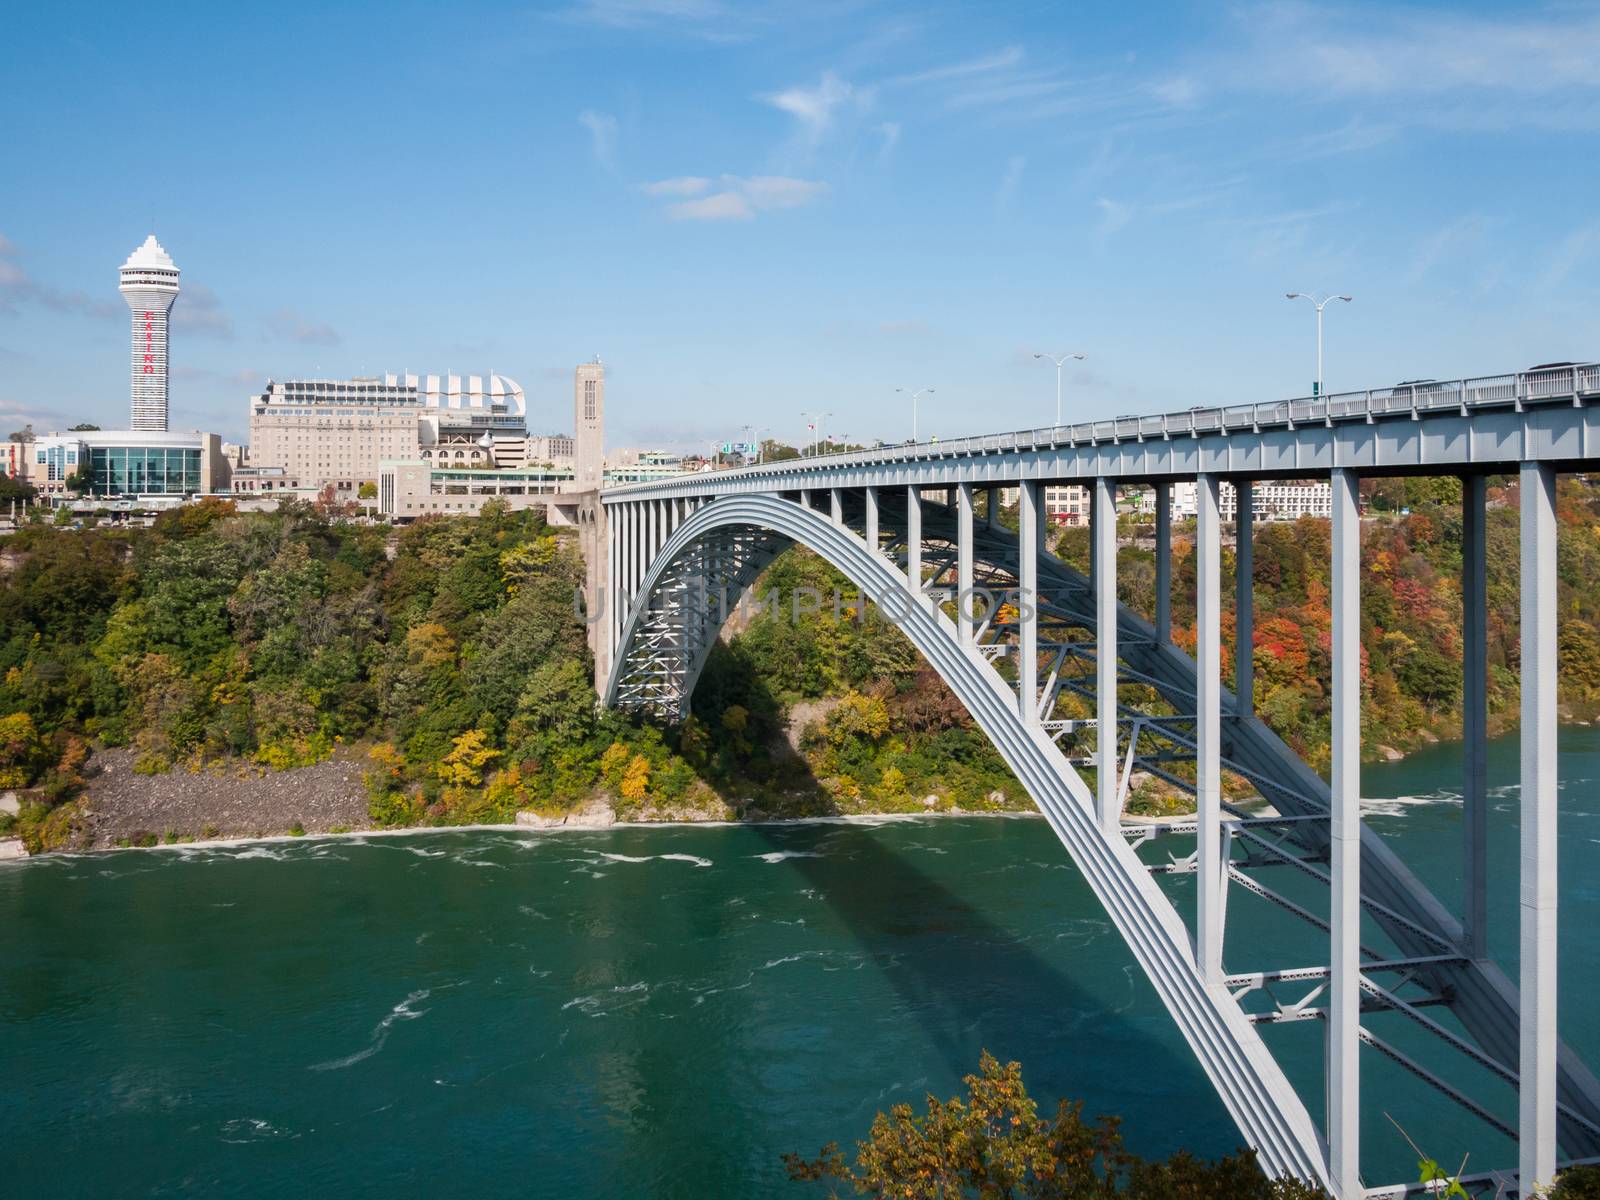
(729, 540)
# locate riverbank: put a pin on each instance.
(236, 801)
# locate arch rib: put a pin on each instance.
(1252, 1087)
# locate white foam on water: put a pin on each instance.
(1396, 806)
(600, 1004)
(424, 852)
(777, 856)
(644, 858)
(243, 1130)
(380, 1032)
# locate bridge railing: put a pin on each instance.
(1565, 382)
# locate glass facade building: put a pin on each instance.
(124, 470)
(131, 462)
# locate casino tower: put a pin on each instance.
(149, 285)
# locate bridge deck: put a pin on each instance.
(1498, 421)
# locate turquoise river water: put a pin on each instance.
(636, 1012)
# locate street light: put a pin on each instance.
(1059, 362)
(914, 397)
(1319, 304)
(814, 423)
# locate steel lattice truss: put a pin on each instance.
(1438, 1015)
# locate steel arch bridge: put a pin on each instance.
(1024, 642)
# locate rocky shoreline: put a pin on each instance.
(225, 801)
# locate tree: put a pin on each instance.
(25, 434)
(83, 427)
(22, 751)
(992, 1143)
(81, 480)
(468, 756)
(368, 490)
(16, 490)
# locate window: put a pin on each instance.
(588, 399)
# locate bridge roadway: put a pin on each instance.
(1079, 693)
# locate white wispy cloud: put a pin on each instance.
(779, 191)
(719, 206)
(1398, 51)
(682, 185)
(708, 19)
(736, 198)
(889, 131)
(602, 129)
(814, 108)
(1113, 216)
(982, 65)
(1179, 92)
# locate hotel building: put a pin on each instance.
(338, 431)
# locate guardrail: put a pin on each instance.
(1419, 399)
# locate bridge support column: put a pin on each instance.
(871, 535)
(1211, 882)
(1163, 562)
(1028, 602)
(835, 506)
(1474, 719)
(805, 497)
(1536, 1151)
(914, 542)
(1344, 971)
(631, 548)
(1105, 653)
(1244, 608)
(964, 622)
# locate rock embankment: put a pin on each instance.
(230, 801)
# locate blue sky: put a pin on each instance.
(754, 210)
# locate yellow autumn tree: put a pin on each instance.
(636, 779)
(463, 766)
(613, 762)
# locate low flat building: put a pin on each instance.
(130, 462)
(417, 488)
(249, 481)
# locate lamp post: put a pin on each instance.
(1059, 362)
(1320, 305)
(915, 396)
(814, 422)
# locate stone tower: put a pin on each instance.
(589, 424)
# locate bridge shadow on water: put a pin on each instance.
(971, 982)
